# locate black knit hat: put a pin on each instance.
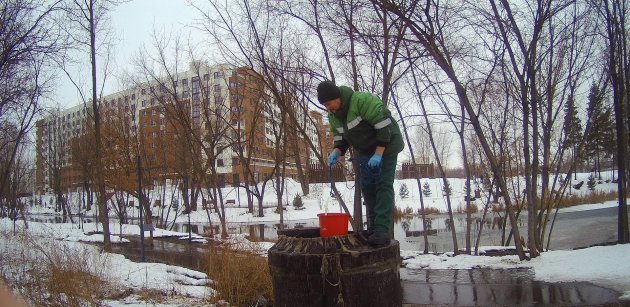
(326, 91)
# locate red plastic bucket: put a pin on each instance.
(333, 224)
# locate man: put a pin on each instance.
(360, 120)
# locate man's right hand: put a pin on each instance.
(332, 157)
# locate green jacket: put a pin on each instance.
(363, 122)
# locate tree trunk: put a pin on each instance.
(102, 203)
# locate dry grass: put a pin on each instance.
(429, 210)
(240, 277)
(497, 207)
(398, 213)
(54, 274)
(473, 208)
(594, 197)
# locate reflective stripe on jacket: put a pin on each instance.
(363, 122)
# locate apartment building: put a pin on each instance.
(210, 117)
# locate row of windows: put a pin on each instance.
(195, 79)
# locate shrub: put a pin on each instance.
(473, 208)
(591, 182)
(497, 207)
(240, 277)
(297, 201)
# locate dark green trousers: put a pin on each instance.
(377, 186)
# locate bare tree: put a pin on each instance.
(239, 26)
(614, 13)
(427, 26)
(31, 40)
(87, 23)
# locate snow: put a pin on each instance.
(606, 266)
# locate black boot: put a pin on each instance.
(366, 233)
(378, 238)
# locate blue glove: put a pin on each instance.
(375, 161)
(332, 158)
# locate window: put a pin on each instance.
(144, 103)
(153, 123)
(143, 91)
(206, 77)
(219, 162)
(217, 75)
(184, 82)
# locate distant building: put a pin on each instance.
(226, 107)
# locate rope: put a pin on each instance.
(324, 271)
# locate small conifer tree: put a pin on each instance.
(404, 191)
(591, 182)
(447, 190)
(297, 201)
(426, 189)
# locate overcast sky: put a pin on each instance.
(133, 24)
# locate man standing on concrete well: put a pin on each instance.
(361, 120)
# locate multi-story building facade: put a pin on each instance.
(208, 119)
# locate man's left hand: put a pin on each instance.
(375, 161)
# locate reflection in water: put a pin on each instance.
(191, 256)
(487, 287)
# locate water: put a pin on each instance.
(406, 230)
(489, 287)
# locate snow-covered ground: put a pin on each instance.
(606, 266)
(317, 201)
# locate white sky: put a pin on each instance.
(133, 24)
